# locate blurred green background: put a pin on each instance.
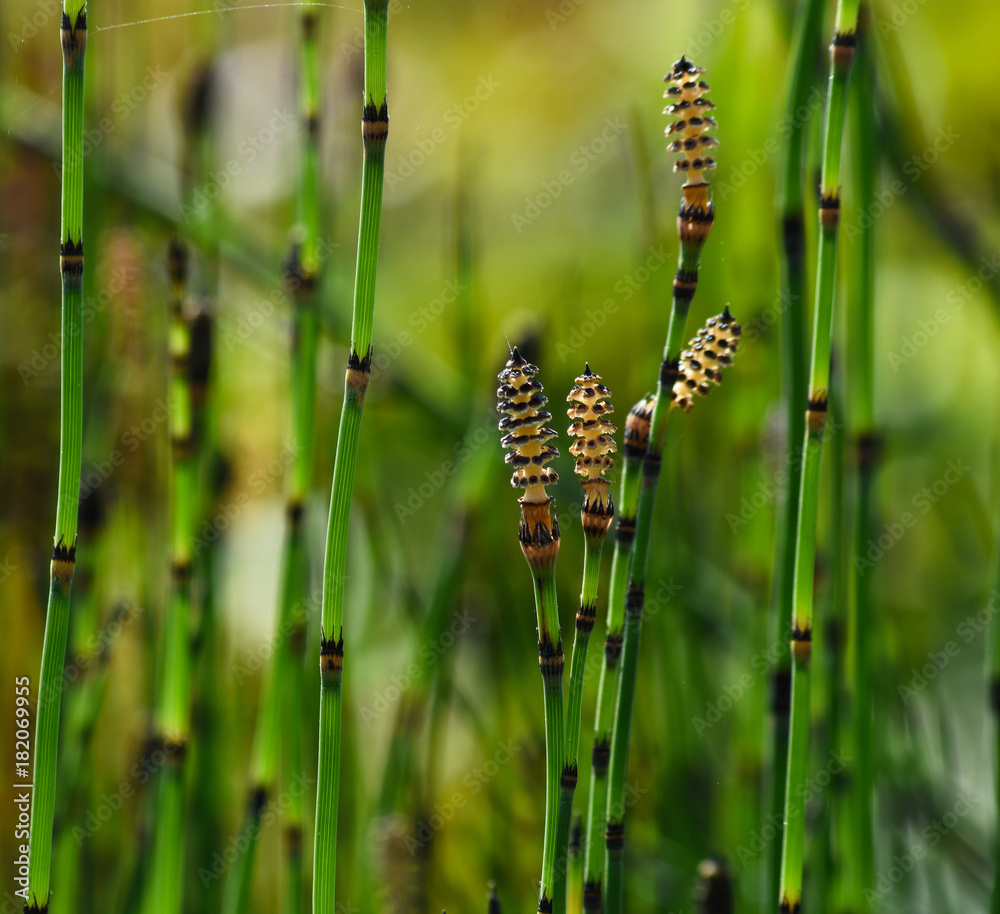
(528, 200)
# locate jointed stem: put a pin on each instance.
(74, 43)
(793, 377)
(280, 713)
(684, 288)
(585, 618)
(842, 53)
(861, 628)
(551, 662)
(173, 711)
(593, 873)
(375, 128)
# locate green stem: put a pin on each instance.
(43, 799)
(861, 414)
(585, 618)
(278, 726)
(685, 284)
(842, 53)
(793, 376)
(593, 871)
(172, 717)
(374, 130)
(551, 662)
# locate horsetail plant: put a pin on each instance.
(698, 369)
(841, 57)
(520, 399)
(690, 105)
(793, 382)
(635, 440)
(593, 448)
(172, 716)
(374, 132)
(303, 275)
(73, 33)
(278, 728)
(859, 851)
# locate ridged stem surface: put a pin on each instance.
(551, 665)
(793, 384)
(607, 689)
(841, 55)
(375, 127)
(172, 714)
(861, 621)
(49, 696)
(688, 261)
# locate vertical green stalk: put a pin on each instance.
(634, 596)
(861, 626)
(552, 897)
(74, 44)
(305, 339)
(595, 443)
(694, 223)
(520, 399)
(793, 378)
(636, 437)
(172, 716)
(374, 130)
(278, 726)
(841, 56)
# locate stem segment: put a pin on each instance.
(861, 626)
(694, 225)
(172, 718)
(374, 131)
(636, 440)
(43, 799)
(793, 375)
(841, 56)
